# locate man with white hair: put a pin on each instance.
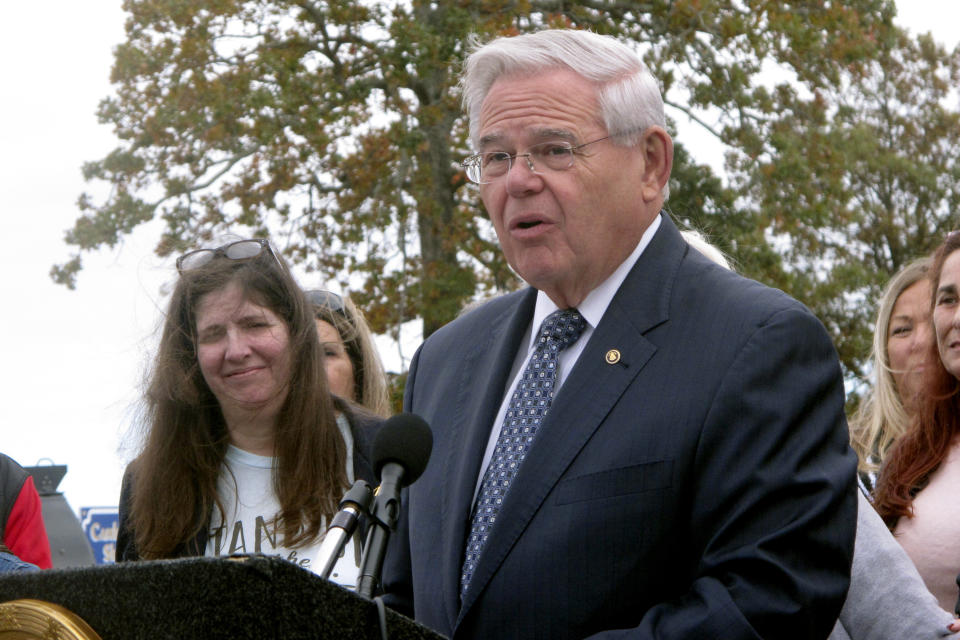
(640, 444)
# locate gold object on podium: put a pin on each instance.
(39, 620)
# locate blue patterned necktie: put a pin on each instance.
(528, 406)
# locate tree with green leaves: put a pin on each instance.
(857, 179)
(335, 127)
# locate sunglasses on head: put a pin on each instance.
(238, 250)
(326, 299)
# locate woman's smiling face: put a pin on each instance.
(243, 350)
(946, 314)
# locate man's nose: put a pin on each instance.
(523, 175)
(528, 158)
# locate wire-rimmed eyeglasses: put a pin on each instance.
(484, 168)
(237, 250)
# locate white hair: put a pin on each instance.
(629, 96)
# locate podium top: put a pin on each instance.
(229, 598)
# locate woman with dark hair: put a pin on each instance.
(354, 370)
(916, 490)
(243, 452)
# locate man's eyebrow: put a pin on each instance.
(489, 139)
(947, 288)
(542, 134)
(551, 134)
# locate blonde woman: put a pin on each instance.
(902, 344)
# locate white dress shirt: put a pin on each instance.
(592, 309)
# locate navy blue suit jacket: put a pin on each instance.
(700, 487)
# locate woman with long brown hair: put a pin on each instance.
(917, 488)
(243, 451)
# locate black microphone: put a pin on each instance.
(401, 451)
(355, 503)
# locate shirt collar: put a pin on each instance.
(595, 304)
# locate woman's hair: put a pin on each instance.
(881, 417)
(919, 452)
(696, 240)
(369, 379)
(186, 437)
(629, 96)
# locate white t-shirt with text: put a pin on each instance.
(246, 488)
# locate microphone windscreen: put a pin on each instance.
(405, 439)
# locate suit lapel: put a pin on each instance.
(591, 390)
(483, 379)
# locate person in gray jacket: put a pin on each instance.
(887, 598)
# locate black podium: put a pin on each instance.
(248, 597)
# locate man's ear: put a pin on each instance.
(657, 147)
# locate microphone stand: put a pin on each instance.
(383, 520)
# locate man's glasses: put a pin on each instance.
(239, 250)
(484, 168)
(326, 300)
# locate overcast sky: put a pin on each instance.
(73, 360)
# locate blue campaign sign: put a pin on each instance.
(100, 524)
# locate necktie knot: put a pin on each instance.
(563, 326)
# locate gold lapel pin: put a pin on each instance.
(613, 356)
